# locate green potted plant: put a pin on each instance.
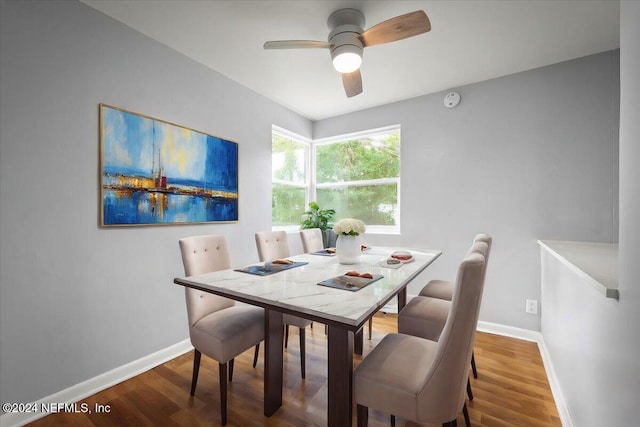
(318, 218)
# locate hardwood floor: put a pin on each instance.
(511, 389)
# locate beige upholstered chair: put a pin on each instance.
(311, 240)
(443, 289)
(218, 327)
(419, 379)
(425, 317)
(273, 245)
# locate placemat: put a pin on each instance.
(349, 283)
(324, 252)
(393, 263)
(269, 268)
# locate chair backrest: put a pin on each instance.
(443, 393)
(485, 238)
(272, 245)
(480, 248)
(481, 244)
(204, 254)
(311, 240)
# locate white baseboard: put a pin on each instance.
(509, 331)
(561, 404)
(528, 335)
(96, 384)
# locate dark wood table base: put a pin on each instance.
(340, 377)
(273, 361)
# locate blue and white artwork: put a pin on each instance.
(155, 172)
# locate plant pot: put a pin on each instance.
(348, 249)
(329, 238)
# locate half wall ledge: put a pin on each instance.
(596, 262)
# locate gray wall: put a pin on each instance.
(599, 372)
(524, 157)
(78, 300)
(595, 342)
(624, 384)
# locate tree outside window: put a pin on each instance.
(359, 177)
(289, 179)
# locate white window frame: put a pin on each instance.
(310, 173)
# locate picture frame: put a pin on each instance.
(154, 172)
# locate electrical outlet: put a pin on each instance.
(532, 306)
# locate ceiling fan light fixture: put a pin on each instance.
(347, 39)
(347, 58)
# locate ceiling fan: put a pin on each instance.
(347, 39)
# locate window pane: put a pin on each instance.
(288, 159)
(371, 157)
(287, 205)
(373, 204)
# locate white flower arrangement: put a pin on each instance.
(349, 227)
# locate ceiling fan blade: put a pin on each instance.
(352, 83)
(398, 28)
(297, 44)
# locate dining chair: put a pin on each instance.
(426, 317)
(273, 245)
(443, 289)
(218, 327)
(419, 379)
(311, 240)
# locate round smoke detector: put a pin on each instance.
(451, 99)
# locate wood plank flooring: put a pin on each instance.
(511, 389)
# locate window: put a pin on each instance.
(289, 177)
(358, 175)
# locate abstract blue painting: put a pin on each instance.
(155, 172)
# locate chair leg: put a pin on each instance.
(393, 421)
(467, 421)
(230, 370)
(196, 369)
(223, 392)
(286, 335)
(370, 327)
(469, 392)
(255, 355)
(473, 365)
(362, 413)
(302, 352)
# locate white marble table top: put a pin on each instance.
(296, 290)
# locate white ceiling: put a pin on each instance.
(470, 41)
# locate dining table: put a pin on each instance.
(341, 302)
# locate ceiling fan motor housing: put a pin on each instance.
(346, 40)
(345, 17)
(346, 27)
